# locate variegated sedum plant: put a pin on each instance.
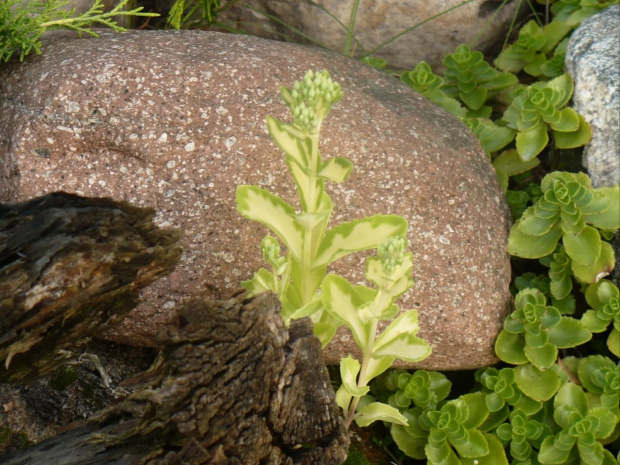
(299, 277)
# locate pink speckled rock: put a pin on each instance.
(176, 120)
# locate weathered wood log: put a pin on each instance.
(71, 266)
(233, 385)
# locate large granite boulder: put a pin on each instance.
(176, 120)
(440, 26)
(593, 59)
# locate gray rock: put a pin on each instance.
(176, 120)
(377, 22)
(593, 59)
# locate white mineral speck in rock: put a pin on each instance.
(163, 138)
(171, 164)
(228, 258)
(221, 110)
(190, 147)
(230, 142)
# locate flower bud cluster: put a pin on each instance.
(312, 98)
(391, 253)
(271, 252)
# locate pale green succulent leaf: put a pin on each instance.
(336, 169)
(399, 339)
(569, 121)
(349, 370)
(541, 357)
(363, 234)
(534, 225)
(536, 384)
(603, 266)
(378, 411)
(262, 206)
(410, 446)
(376, 366)
(293, 142)
(262, 281)
(526, 246)
(496, 455)
(564, 86)
(531, 142)
(593, 323)
(569, 332)
(510, 162)
(510, 348)
(396, 283)
(584, 248)
(569, 395)
(343, 398)
(609, 218)
(613, 342)
(578, 138)
(342, 300)
(474, 99)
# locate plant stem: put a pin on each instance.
(351, 27)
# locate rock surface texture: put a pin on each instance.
(377, 22)
(176, 120)
(593, 59)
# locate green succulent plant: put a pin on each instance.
(450, 434)
(423, 80)
(601, 376)
(528, 53)
(540, 108)
(604, 298)
(492, 137)
(534, 332)
(424, 389)
(473, 80)
(523, 435)
(582, 430)
(570, 210)
(573, 12)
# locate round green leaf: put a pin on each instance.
(509, 348)
(526, 246)
(542, 357)
(584, 248)
(536, 384)
(569, 140)
(572, 396)
(496, 455)
(530, 143)
(569, 332)
(410, 446)
(613, 342)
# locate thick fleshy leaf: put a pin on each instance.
(474, 99)
(510, 162)
(609, 217)
(261, 205)
(496, 455)
(533, 225)
(509, 348)
(410, 446)
(569, 121)
(349, 369)
(526, 246)
(593, 323)
(569, 332)
(542, 357)
(569, 395)
(343, 399)
(293, 142)
(578, 138)
(342, 301)
(376, 366)
(613, 342)
(477, 407)
(363, 234)
(261, 282)
(601, 268)
(474, 446)
(597, 295)
(550, 454)
(399, 339)
(336, 169)
(584, 248)
(531, 142)
(536, 384)
(379, 411)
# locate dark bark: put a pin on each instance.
(232, 384)
(70, 266)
